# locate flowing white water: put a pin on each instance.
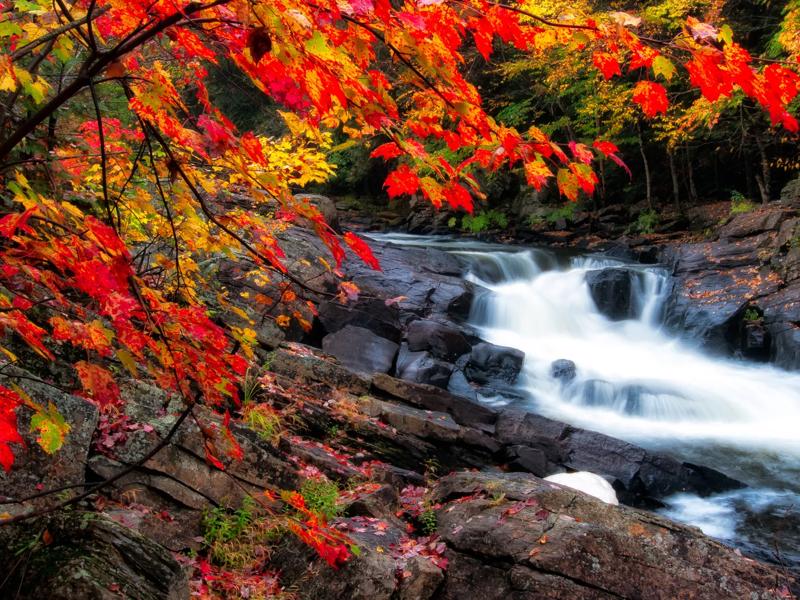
(640, 383)
(633, 379)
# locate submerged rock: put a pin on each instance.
(612, 292)
(491, 363)
(563, 369)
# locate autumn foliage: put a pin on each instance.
(121, 178)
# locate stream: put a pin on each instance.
(639, 382)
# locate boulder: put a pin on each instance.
(324, 205)
(34, 469)
(443, 341)
(511, 535)
(790, 194)
(361, 350)
(611, 290)
(369, 313)
(88, 557)
(489, 362)
(563, 369)
(422, 367)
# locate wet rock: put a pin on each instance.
(540, 457)
(464, 411)
(489, 362)
(361, 350)
(640, 477)
(563, 369)
(540, 540)
(89, 557)
(370, 313)
(422, 367)
(441, 340)
(611, 290)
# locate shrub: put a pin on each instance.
(740, 204)
(647, 221)
(321, 496)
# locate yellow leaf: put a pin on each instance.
(127, 361)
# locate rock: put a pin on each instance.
(611, 290)
(781, 312)
(540, 457)
(640, 477)
(361, 350)
(89, 557)
(305, 364)
(753, 223)
(422, 367)
(563, 369)
(372, 575)
(442, 341)
(489, 362)
(180, 471)
(369, 313)
(34, 469)
(465, 412)
(425, 424)
(324, 205)
(511, 535)
(588, 483)
(421, 579)
(790, 194)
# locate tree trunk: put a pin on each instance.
(646, 169)
(690, 176)
(676, 187)
(764, 179)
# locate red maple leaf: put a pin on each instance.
(652, 97)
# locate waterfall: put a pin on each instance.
(634, 380)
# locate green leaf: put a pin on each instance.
(663, 66)
(51, 427)
(318, 45)
(725, 34)
(8, 28)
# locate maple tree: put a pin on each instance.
(122, 178)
